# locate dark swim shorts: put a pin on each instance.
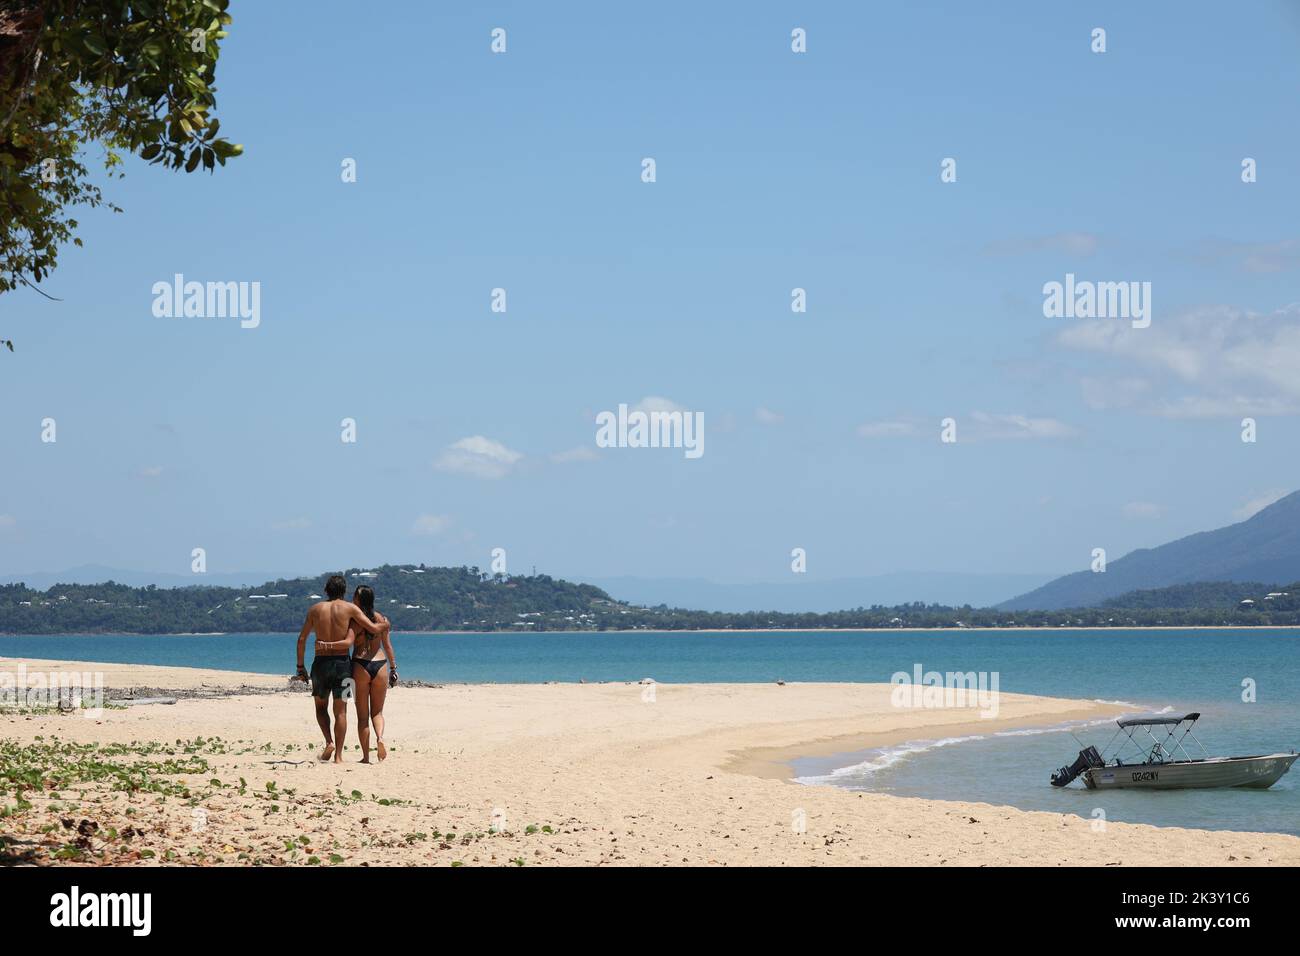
(329, 674)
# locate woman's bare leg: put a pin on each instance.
(378, 693)
(361, 677)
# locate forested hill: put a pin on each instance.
(414, 598)
(463, 599)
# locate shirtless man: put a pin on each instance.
(331, 669)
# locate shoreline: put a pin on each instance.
(777, 763)
(550, 774)
(732, 631)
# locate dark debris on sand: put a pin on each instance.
(291, 686)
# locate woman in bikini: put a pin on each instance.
(372, 674)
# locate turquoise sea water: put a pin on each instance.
(1154, 671)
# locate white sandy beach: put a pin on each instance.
(565, 774)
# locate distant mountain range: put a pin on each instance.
(1264, 547)
(801, 594)
(1228, 566)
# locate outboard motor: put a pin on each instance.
(1088, 758)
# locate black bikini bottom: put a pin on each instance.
(372, 667)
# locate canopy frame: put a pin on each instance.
(1159, 750)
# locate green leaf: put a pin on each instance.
(122, 78)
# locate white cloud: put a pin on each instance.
(989, 427)
(581, 453)
(478, 457)
(153, 471)
(1227, 406)
(7, 522)
(431, 524)
(1255, 257)
(1207, 363)
(765, 416)
(1142, 509)
(976, 426)
(657, 403)
(1253, 506)
(885, 429)
(293, 524)
(1271, 256)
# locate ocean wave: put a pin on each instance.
(888, 756)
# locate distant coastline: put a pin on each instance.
(451, 600)
(736, 631)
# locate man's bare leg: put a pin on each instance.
(340, 728)
(323, 719)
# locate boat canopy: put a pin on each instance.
(1151, 721)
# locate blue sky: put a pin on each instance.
(775, 170)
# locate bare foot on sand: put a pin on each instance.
(383, 751)
(365, 759)
(327, 752)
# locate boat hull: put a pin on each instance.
(1252, 772)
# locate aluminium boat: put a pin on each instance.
(1163, 763)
